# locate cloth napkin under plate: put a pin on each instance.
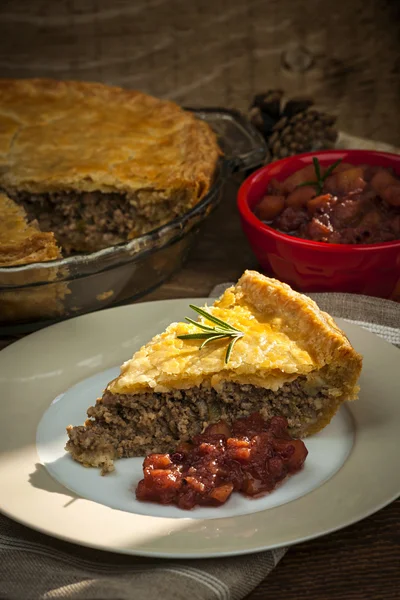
(34, 566)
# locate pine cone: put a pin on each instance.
(292, 127)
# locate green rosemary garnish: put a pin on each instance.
(209, 334)
(319, 184)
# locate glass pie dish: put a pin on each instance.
(39, 294)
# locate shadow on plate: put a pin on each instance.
(41, 479)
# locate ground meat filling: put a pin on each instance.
(90, 221)
(135, 425)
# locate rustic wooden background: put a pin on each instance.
(219, 52)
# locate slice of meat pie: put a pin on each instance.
(264, 348)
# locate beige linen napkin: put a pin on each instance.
(34, 566)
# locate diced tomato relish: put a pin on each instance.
(251, 456)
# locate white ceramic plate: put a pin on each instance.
(49, 379)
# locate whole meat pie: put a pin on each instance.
(99, 165)
(289, 359)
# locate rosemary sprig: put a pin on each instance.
(209, 334)
(319, 184)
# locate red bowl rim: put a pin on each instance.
(248, 215)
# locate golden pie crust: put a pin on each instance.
(75, 136)
(286, 336)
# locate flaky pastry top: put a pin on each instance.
(69, 135)
(22, 242)
(285, 335)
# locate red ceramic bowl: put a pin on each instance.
(371, 269)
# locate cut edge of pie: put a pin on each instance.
(293, 360)
(22, 243)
